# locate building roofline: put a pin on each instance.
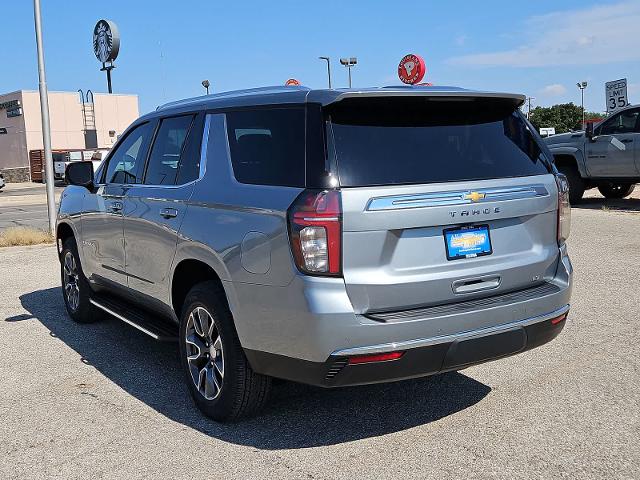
(70, 91)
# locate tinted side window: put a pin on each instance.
(267, 146)
(189, 168)
(624, 122)
(167, 149)
(127, 161)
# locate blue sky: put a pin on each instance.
(539, 48)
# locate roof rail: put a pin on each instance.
(235, 93)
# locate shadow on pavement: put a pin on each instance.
(298, 416)
(601, 203)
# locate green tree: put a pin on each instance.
(593, 116)
(564, 117)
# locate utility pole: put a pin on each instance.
(328, 68)
(46, 126)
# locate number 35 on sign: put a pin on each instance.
(616, 93)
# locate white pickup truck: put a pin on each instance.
(606, 155)
(62, 159)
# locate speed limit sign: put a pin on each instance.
(616, 94)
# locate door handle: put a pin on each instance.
(471, 285)
(168, 212)
(116, 207)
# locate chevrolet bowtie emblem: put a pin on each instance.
(474, 196)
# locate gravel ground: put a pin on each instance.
(104, 401)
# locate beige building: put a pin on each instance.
(78, 122)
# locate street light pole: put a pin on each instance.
(46, 126)
(328, 68)
(349, 62)
(529, 106)
(582, 86)
(582, 105)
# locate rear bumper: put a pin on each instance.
(419, 357)
(434, 356)
(300, 330)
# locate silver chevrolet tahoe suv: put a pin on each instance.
(331, 237)
(606, 155)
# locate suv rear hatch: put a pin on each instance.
(444, 199)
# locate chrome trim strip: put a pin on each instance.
(426, 342)
(457, 197)
(125, 320)
(321, 219)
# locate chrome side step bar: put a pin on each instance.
(155, 328)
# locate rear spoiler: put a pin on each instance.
(328, 97)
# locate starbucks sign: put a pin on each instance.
(106, 41)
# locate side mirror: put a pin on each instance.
(589, 131)
(80, 174)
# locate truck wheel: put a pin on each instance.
(219, 377)
(75, 287)
(576, 184)
(616, 190)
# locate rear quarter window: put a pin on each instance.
(267, 146)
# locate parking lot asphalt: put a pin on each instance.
(25, 205)
(105, 401)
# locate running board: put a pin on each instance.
(153, 326)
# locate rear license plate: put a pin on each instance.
(467, 242)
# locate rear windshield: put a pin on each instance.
(421, 140)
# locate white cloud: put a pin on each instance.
(553, 90)
(589, 36)
(460, 40)
(633, 88)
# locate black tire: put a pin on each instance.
(576, 183)
(78, 307)
(238, 391)
(616, 190)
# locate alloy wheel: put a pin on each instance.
(205, 355)
(71, 284)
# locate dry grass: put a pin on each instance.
(15, 236)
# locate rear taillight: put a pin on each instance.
(564, 208)
(561, 318)
(315, 232)
(375, 358)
